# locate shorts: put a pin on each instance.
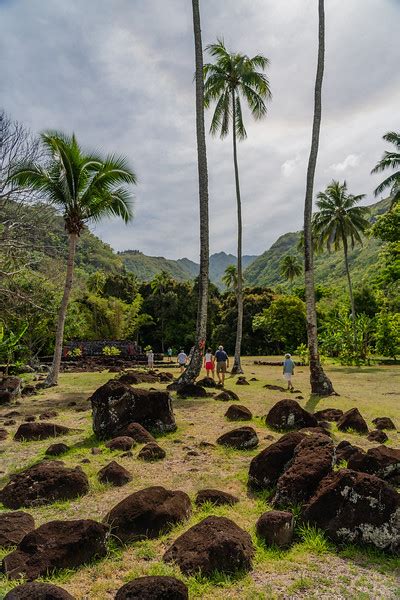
(221, 367)
(288, 376)
(210, 366)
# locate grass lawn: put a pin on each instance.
(311, 568)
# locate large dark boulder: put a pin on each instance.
(114, 474)
(151, 452)
(238, 412)
(138, 433)
(115, 405)
(352, 419)
(242, 438)
(190, 390)
(288, 414)
(276, 528)
(156, 587)
(328, 414)
(217, 497)
(226, 396)
(214, 544)
(56, 545)
(39, 431)
(14, 526)
(268, 466)
(44, 483)
(38, 591)
(312, 460)
(354, 507)
(207, 382)
(344, 450)
(147, 513)
(10, 388)
(382, 461)
(384, 423)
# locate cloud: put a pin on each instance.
(350, 162)
(120, 74)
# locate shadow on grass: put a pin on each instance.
(312, 402)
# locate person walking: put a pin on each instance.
(169, 354)
(288, 371)
(209, 363)
(222, 360)
(150, 359)
(182, 360)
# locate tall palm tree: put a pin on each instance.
(290, 267)
(338, 221)
(230, 279)
(390, 160)
(196, 361)
(85, 187)
(230, 79)
(320, 382)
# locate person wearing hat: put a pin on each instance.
(288, 371)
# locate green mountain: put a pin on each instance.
(183, 269)
(329, 267)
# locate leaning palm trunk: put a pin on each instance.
(353, 309)
(320, 383)
(52, 377)
(194, 367)
(237, 367)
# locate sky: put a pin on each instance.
(120, 75)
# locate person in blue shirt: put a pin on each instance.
(288, 371)
(222, 361)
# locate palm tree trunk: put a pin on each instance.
(320, 383)
(194, 368)
(237, 367)
(353, 309)
(52, 377)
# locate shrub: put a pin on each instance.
(111, 351)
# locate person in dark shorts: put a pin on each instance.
(222, 361)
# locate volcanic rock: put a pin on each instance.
(153, 588)
(214, 544)
(191, 390)
(3, 434)
(49, 414)
(29, 418)
(226, 396)
(377, 435)
(288, 414)
(276, 528)
(151, 452)
(328, 414)
(38, 591)
(44, 483)
(384, 423)
(352, 419)
(238, 412)
(39, 431)
(207, 382)
(354, 507)
(216, 497)
(10, 388)
(56, 545)
(270, 463)
(242, 438)
(135, 377)
(123, 442)
(147, 513)
(275, 388)
(241, 380)
(57, 449)
(13, 527)
(382, 461)
(344, 450)
(115, 474)
(138, 433)
(115, 405)
(312, 460)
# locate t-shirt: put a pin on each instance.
(169, 351)
(182, 358)
(221, 356)
(208, 357)
(288, 366)
(150, 356)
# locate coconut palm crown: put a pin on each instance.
(390, 160)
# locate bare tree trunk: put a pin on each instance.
(353, 309)
(194, 368)
(320, 383)
(52, 377)
(237, 367)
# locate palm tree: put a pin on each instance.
(194, 368)
(230, 279)
(340, 220)
(290, 267)
(390, 160)
(85, 187)
(320, 383)
(230, 79)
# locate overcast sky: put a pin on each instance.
(120, 75)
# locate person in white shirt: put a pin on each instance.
(182, 360)
(209, 363)
(150, 359)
